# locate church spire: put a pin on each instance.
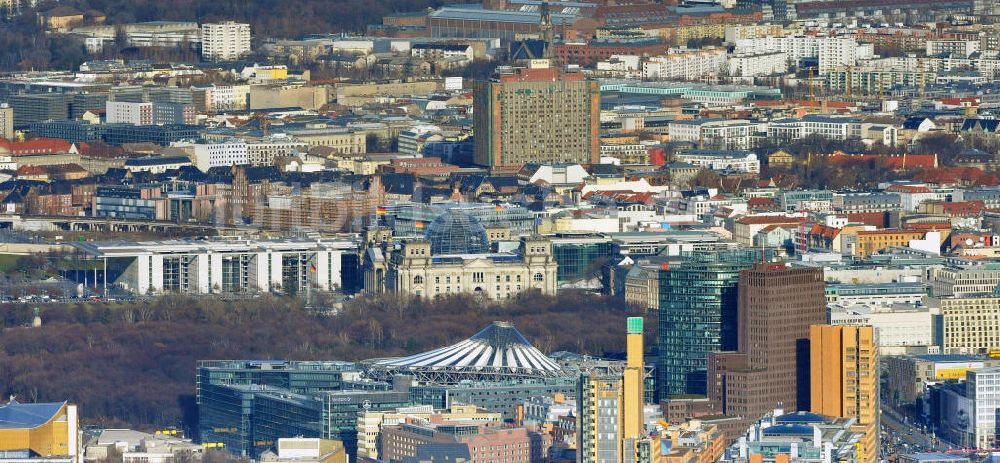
(545, 26)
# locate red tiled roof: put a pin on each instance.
(36, 146)
(893, 161)
(928, 226)
(964, 208)
(777, 226)
(877, 219)
(953, 175)
(908, 189)
(767, 219)
(959, 101)
(31, 170)
(824, 230)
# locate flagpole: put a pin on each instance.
(309, 274)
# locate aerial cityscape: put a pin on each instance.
(499, 231)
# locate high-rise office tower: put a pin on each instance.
(610, 424)
(770, 368)
(632, 393)
(844, 379)
(697, 316)
(536, 114)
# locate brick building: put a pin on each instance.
(777, 305)
(485, 443)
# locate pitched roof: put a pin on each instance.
(964, 208)
(36, 146)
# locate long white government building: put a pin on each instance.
(221, 265)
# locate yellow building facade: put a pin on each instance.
(611, 424)
(49, 430)
(844, 379)
(872, 242)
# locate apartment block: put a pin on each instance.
(685, 65)
(123, 112)
(227, 41)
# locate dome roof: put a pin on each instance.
(499, 349)
(455, 232)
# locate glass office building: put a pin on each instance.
(697, 316)
(225, 413)
(580, 258)
(298, 377)
(341, 408)
(247, 405)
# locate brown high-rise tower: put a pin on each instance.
(777, 304)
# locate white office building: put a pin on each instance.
(832, 52)
(227, 41)
(983, 387)
(207, 156)
(123, 112)
(898, 329)
(226, 97)
(836, 52)
(716, 133)
(739, 161)
(220, 265)
(957, 48)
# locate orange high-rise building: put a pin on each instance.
(844, 379)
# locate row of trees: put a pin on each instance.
(135, 364)
(25, 45)
(269, 18)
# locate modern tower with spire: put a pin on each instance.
(611, 425)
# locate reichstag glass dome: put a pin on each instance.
(456, 232)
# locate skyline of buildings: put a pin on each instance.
(769, 368)
(806, 195)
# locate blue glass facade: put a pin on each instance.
(697, 316)
(580, 259)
